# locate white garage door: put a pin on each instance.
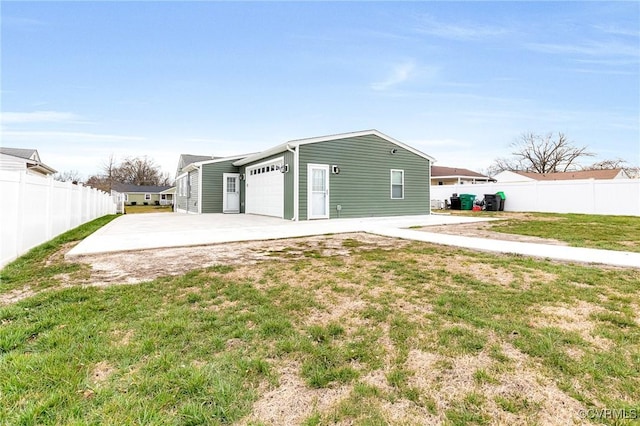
(265, 189)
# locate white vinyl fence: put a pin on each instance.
(608, 197)
(36, 209)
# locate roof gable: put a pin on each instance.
(186, 159)
(31, 159)
(297, 142)
(27, 154)
(441, 171)
(580, 174)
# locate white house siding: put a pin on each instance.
(11, 163)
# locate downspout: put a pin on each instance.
(296, 184)
(199, 168)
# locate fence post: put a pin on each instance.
(22, 195)
(592, 181)
(48, 210)
(67, 204)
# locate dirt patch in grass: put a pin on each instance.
(138, 266)
(59, 255)
(292, 401)
(101, 373)
(574, 318)
(483, 230)
(519, 395)
(122, 337)
(491, 274)
(335, 310)
(17, 295)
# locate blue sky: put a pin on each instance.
(459, 81)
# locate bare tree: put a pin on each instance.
(541, 154)
(139, 171)
(68, 176)
(110, 168)
(133, 170)
(99, 182)
(617, 163)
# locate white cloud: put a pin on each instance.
(616, 30)
(399, 74)
(38, 117)
(64, 137)
(588, 48)
(463, 31)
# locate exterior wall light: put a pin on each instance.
(335, 170)
(284, 169)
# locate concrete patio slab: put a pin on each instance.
(164, 230)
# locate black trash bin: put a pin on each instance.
(455, 203)
(491, 202)
(501, 198)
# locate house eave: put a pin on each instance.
(463, 177)
(41, 168)
(294, 144)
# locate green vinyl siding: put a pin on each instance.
(213, 185)
(288, 182)
(192, 202)
(363, 186)
(180, 199)
(138, 198)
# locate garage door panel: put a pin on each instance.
(265, 189)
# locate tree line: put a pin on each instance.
(132, 170)
(552, 153)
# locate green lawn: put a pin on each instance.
(147, 209)
(579, 230)
(374, 335)
(620, 233)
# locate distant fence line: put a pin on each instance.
(590, 196)
(36, 209)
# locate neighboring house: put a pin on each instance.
(451, 176)
(357, 174)
(517, 176)
(24, 159)
(144, 194)
(167, 196)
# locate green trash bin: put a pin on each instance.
(466, 201)
(502, 197)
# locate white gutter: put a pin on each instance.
(296, 183)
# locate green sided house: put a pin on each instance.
(144, 194)
(359, 174)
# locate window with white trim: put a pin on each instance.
(397, 184)
(147, 197)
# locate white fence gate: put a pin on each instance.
(608, 197)
(36, 209)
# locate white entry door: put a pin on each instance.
(231, 191)
(318, 191)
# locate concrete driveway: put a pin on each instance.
(163, 230)
(160, 230)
